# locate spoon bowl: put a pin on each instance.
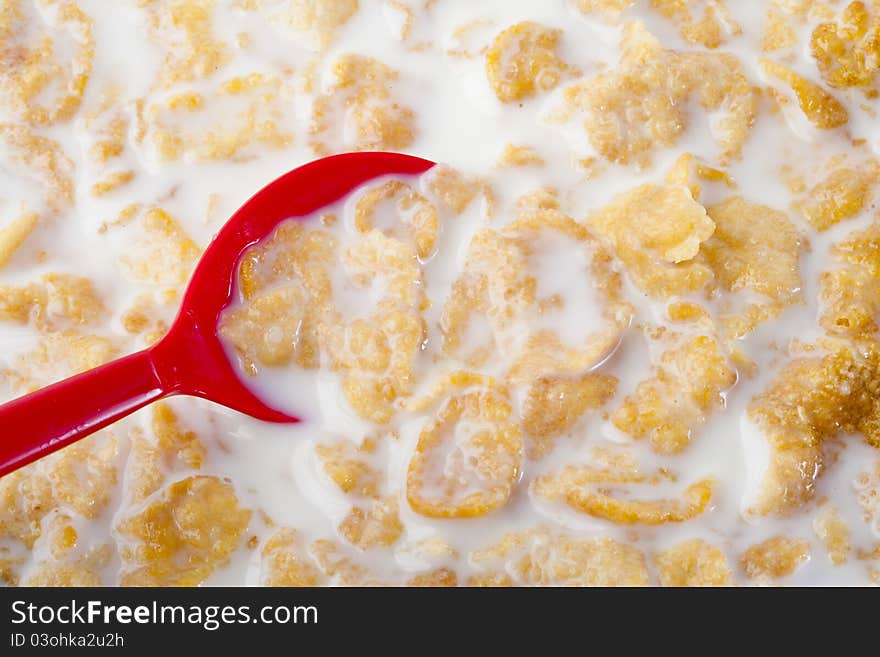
(190, 359)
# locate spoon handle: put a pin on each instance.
(50, 418)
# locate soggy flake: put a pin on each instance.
(40, 160)
(496, 298)
(408, 213)
(468, 458)
(639, 107)
(184, 31)
(686, 386)
(539, 557)
(606, 492)
(694, 563)
(774, 558)
(361, 97)
(377, 525)
(47, 49)
(182, 536)
(841, 195)
(56, 301)
(150, 315)
(349, 466)
(57, 356)
(338, 566)
(283, 564)
(78, 572)
(554, 404)
(376, 353)
(251, 118)
(523, 60)
(80, 477)
(812, 400)
(850, 289)
(514, 155)
(754, 247)
(168, 447)
(454, 189)
(285, 281)
(165, 256)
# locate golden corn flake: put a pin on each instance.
(523, 60)
(843, 194)
(833, 531)
(150, 315)
(378, 525)
(283, 564)
(779, 33)
(184, 30)
(39, 160)
(640, 106)
(754, 247)
(13, 235)
(849, 290)
(251, 119)
(541, 558)
(694, 563)
(603, 492)
(812, 400)
(518, 156)
(44, 66)
(361, 96)
(349, 466)
(776, 557)
(701, 23)
(56, 301)
(554, 404)
(183, 536)
(81, 477)
(435, 578)
(165, 254)
(695, 374)
(657, 231)
(847, 49)
(401, 212)
(821, 108)
(468, 458)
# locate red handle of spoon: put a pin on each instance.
(50, 418)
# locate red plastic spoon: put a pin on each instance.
(190, 360)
